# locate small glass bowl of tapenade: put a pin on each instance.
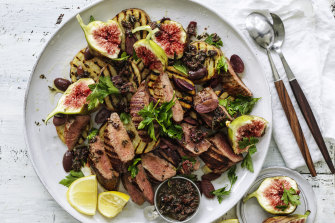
(177, 199)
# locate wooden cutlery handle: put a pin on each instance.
(311, 121)
(294, 124)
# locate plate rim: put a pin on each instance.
(201, 4)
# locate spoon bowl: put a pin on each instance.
(279, 30)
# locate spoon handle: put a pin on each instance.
(307, 113)
(292, 117)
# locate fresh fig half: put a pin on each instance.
(171, 36)
(269, 194)
(73, 101)
(245, 126)
(103, 38)
(152, 55)
(295, 218)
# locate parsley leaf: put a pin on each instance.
(247, 161)
(219, 193)
(133, 167)
(92, 19)
(245, 142)
(210, 41)
(124, 56)
(100, 90)
(93, 132)
(222, 64)
(71, 177)
(241, 104)
(161, 115)
(125, 118)
(180, 67)
(290, 196)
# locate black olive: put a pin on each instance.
(102, 116)
(196, 75)
(68, 160)
(62, 84)
(87, 54)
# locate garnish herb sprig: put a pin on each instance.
(211, 41)
(240, 105)
(219, 193)
(73, 175)
(133, 167)
(93, 132)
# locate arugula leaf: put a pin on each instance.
(241, 104)
(124, 56)
(125, 118)
(247, 161)
(245, 142)
(133, 167)
(178, 65)
(71, 177)
(282, 207)
(222, 64)
(92, 19)
(161, 115)
(290, 196)
(210, 41)
(219, 193)
(100, 90)
(93, 132)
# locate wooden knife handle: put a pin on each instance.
(311, 122)
(294, 124)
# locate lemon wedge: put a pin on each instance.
(229, 221)
(110, 203)
(82, 195)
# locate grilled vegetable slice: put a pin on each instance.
(103, 38)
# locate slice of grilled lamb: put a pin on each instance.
(232, 83)
(193, 141)
(157, 168)
(73, 128)
(101, 165)
(169, 154)
(163, 91)
(143, 183)
(205, 101)
(133, 191)
(137, 102)
(118, 145)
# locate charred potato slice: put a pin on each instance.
(91, 67)
(139, 69)
(135, 16)
(210, 62)
(81, 140)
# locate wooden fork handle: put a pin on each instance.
(295, 125)
(311, 122)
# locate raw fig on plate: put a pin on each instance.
(152, 55)
(245, 127)
(73, 101)
(295, 218)
(270, 195)
(171, 36)
(103, 38)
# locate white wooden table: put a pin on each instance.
(25, 26)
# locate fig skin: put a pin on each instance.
(270, 184)
(296, 218)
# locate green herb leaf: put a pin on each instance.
(232, 176)
(124, 56)
(161, 115)
(242, 105)
(245, 142)
(71, 177)
(93, 132)
(222, 64)
(191, 159)
(135, 56)
(100, 90)
(247, 161)
(290, 196)
(178, 65)
(125, 118)
(92, 19)
(219, 193)
(133, 167)
(282, 207)
(210, 41)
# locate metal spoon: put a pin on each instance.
(261, 30)
(305, 108)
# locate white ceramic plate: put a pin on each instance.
(46, 150)
(251, 211)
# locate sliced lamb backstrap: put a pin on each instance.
(73, 128)
(143, 183)
(133, 191)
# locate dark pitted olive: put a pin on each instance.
(183, 84)
(102, 115)
(80, 71)
(196, 75)
(59, 120)
(215, 81)
(87, 54)
(68, 160)
(62, 84)
(237, 63)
